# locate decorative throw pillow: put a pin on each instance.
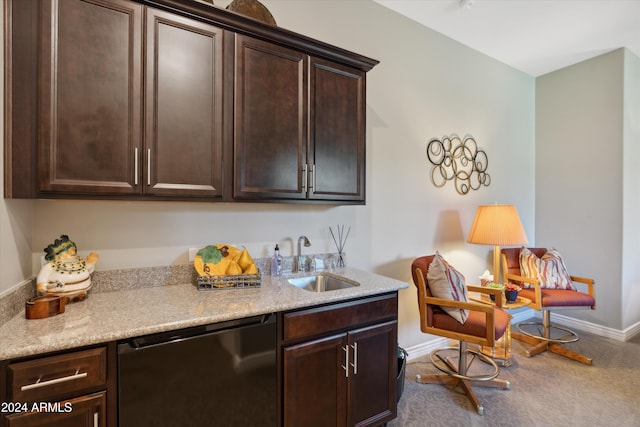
(529, 266)
(554, 272)
(448, 283)
(549, 270)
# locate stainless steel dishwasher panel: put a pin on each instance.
(216, 375)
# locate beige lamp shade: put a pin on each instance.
(497, 225)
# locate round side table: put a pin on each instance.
(501, 351)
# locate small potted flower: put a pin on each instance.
(498, 286)
(511, 292)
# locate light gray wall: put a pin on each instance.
(15, 219)
(426, 86)
(579, 175)
(631, 192)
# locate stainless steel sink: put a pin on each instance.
(322, 283)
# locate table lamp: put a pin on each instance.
(497, 225)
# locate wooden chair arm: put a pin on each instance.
(587, 281)
(497, 293)
(488, 310)
(582, 280)
(536, 303)
(537, 300)
(474, 306)
(517, 278)
(424, 300)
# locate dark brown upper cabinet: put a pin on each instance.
(270, 121)
(90, 97)
(183, 115)
(182, 101)
(299, 126)
(336, 132)
(91, 138)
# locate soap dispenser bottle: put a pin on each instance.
(276, 262)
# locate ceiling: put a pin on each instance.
(534, 36)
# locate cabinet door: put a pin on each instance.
(315, 383)
(337, 132)
(183, 117)
(372, 383)
(270, 122)
(90, 86)
(89, 411)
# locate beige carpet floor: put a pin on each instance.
(546, 390)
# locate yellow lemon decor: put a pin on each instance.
(225, 266)
(252, 269)
(234, 268)
(245, 260)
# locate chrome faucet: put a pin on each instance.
(297, 261)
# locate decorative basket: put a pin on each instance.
(253, 9)
(229, 281)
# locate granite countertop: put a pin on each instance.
(115, 315)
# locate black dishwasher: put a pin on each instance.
(223, 374)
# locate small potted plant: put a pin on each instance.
(498, 286)
(511, 292)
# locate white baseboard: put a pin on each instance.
(572, 323)
(631, 331)
(603, 331)
(522, 315)
(424, 349)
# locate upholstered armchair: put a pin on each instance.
(485, 324)
(544, 335)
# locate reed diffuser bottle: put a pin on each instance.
(340, 243)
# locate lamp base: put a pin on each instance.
(496, 264)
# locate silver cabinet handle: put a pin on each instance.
(355, 358)
(39, 384)
(304, 178)
(148, 166)
(96, 419)
(135, 166)
(346, 361)
(312, 186)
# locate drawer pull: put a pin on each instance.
(304, 178)
(135, 166)
(355, 358)
(346, 361)
(39, 384)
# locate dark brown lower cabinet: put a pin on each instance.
(82, 411)
(337, 367)
(372, 382)
(67, 390)
(315, 386)
(345, 376)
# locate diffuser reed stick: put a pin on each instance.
(340, 242)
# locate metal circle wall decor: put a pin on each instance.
(458, 160)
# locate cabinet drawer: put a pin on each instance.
(331, 318)
(87, 410)
(54, 376)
